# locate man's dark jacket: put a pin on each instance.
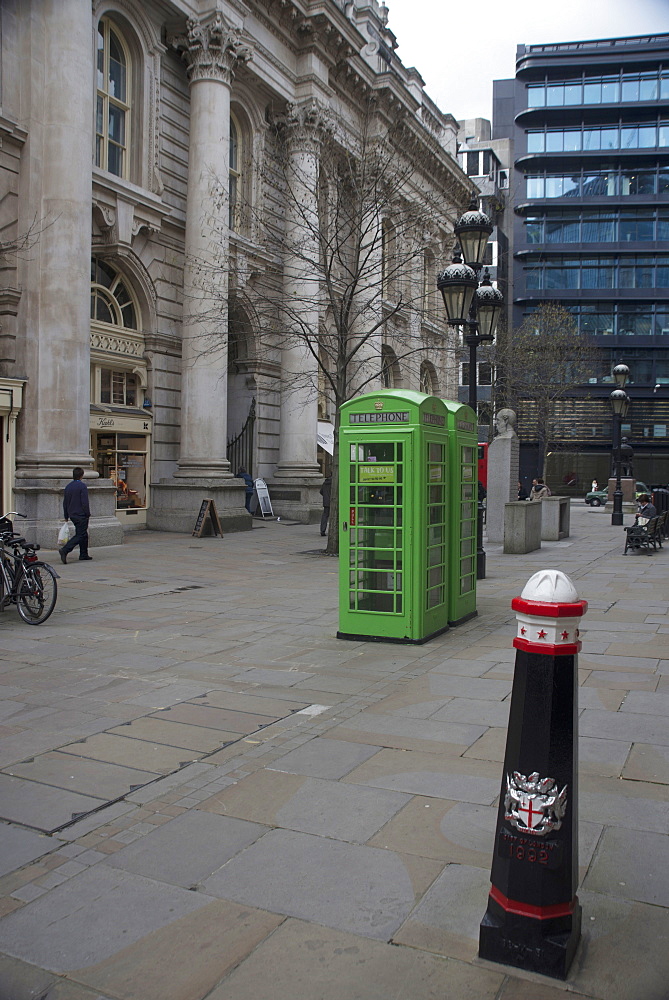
(75, 500)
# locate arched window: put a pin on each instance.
(234, 183)
(429, 382)
(390, 369)
(111, 301)
(112, 117)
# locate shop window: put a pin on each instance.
(112, 115)
(122, 458)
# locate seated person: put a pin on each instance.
(646, 510)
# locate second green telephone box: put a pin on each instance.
(404, 503)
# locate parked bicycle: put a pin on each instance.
(24, 580)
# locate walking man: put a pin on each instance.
(76, 509)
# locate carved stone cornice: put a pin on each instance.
(211, 49)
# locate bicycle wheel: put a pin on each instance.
(36, 593)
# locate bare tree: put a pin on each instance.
(540, 365)
(19, 244)
(363, 257)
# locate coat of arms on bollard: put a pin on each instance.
(533, 919)
(534, 804)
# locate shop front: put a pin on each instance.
(120, 445)
(11, 401)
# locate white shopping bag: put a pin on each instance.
(65, 533)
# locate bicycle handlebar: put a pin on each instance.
(15, 513)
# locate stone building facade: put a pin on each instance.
(138, 141)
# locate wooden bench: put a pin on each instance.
(645, 536)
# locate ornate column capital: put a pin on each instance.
(302, 126)
(211, 49)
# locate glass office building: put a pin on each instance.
(589, 127)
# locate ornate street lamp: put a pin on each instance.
(619, 404)
(474, 306)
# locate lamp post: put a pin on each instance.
(619, 403)
(475, 307)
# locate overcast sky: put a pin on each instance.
(459, 50)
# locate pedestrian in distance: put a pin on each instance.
(243, 474)
(77, 510)
(594, 486)
(539, 490)
(522, 492)
(326, 492)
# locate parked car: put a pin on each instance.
(597, 498)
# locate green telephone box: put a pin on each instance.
(401, 510)
(463, 487)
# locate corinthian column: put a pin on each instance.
(56, 194)
(301, 130)
(211, 50)
(57, 180)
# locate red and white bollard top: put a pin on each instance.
(548, 614)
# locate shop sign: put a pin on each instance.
(103, 422)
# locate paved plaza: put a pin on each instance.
(205, 794)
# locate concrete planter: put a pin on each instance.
(522, 526)
(555, 518)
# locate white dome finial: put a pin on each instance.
(552, 586)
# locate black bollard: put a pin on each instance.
(533, 920)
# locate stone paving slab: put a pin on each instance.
(77, 774)
(187, 849)
(309, 805)
(18, 847)
(647, 681)
(91, 917)
(174, 734)
(256, 704)
(185, 959)
(324, 758)
(415, 730)
(628, 726)
(215, 718)
(20, 981)
(623, 954)
(648, 763)
(615, 870)
(309, 962)
(152, 758)
(474, 711)
(425, 774)
(41, 807)
(447, 919)
(359, 889)
(276, 678)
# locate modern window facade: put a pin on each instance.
(589, 125)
